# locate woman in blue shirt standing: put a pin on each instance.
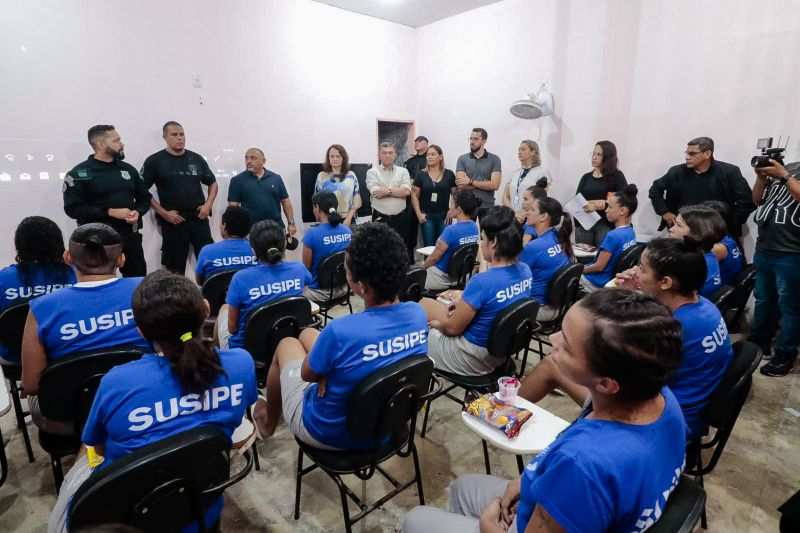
(620, 208)
(709, 228)
(39, 268)
(138, 403)
(623, 348)
(549, 252)
(459, 337)
(329, 237)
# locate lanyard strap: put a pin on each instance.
(522, 177)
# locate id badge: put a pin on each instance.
(434, 196)
(516, 199)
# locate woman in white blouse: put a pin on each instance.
(337, 178)
(525, 176)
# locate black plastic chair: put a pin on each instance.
(66, 392)
(161, 486)
(743, 285)
(723, 409)
(629, 258)
(722, 298)
(562, 292)
(462, 263)
(382, 408)
(12, 327)
(683, 510)
(413, 285)
(215, 288)
(331, 276)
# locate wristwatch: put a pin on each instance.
(784, 179)
(291, 222)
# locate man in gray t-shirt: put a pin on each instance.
(479, 171)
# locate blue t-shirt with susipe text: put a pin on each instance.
(456, 235)
(615, 242)
(733, 262)
(323, 241)
(18, 285)
(143, 402)
(84, 318)
(621, 488)
(707, 352)
(545, 257)
(713, 279)
(489, 293)
(253, 286)
(224, 256)
(528, 230)
(347, 351)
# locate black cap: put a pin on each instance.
(421, 138)
(291, 242)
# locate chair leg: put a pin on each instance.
(58, 472)
(348, 527)
(520, 464)
(256, 462)
(425, 419)
(297, 485)
(486, 458)
(418, 474)
(20, 414)
(3, 461)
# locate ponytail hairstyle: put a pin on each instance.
(680, 259)
(500, 223)
(40, 243)
(169, 311)
(726, 213)
(632, 339)
(467, 201)
(704, 223)
(558, 219)
(627, 198)
(268, 241)
(95, 249)
(327, 203)
(539, 190)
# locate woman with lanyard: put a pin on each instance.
(337, 178)
(596, 187)
(526, 176)
(430, 196)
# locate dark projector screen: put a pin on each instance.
(308, 178)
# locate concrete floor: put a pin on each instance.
(758, 471)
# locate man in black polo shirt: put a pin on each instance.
(414, 165)
(182, 210)
(105, 189)
(479, 171)
(261, 191)
(702, 178)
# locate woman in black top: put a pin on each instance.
(596, 186)
(431, 195)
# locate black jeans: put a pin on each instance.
(135, 265)
(398, 222)
(176, 239)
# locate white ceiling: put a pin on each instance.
(414, 13)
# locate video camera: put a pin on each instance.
(767, 153)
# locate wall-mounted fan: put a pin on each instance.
(538, 104)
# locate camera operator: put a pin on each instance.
(777, 289)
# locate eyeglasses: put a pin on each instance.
(692, 154)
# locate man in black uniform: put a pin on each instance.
(105, 189)
(414, 164)
(182, 210)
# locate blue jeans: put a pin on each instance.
(777, 295)
(432, 228)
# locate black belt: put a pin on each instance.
(375, 212)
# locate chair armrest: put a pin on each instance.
(248, 455)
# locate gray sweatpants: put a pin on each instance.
(469, 496)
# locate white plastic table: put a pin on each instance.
(536, 434)
(426, 250)
(583, 254)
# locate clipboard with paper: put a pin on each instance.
(575, 208)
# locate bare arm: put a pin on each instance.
(457, 322)
(438, 252)
(286, 203)
(507, 195)
(204, 211)
(415, 192)
(602, 260)
(234, 204)
(307, 373)
(233, 319)
(34, 357)
(308, 257)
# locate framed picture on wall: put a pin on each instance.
(400, 133)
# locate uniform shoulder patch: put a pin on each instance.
(68, 182)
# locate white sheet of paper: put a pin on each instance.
(575, 208)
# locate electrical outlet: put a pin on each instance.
(197, 81)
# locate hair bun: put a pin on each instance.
(541, 183)
(630, 189)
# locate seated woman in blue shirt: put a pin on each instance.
(311, 378)
(729, 251)
(272, 278)
(620, 207)
(329, 237)
(532, 193)
(93, 314)
(463, 231)
(233, 252)
(39, 268)
(460, 334)
(549, 252)
(619, 460)
(709, 228)
(138, 403)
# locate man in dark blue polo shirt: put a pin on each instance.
(261, 192)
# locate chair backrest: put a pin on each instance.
(413, 285)
(722, 298)
(271, 322)
(163, 486)
(68, 385)
(563, 288)
(683, 510)
(743, 285)
(387, 401)
(629, 258)
(12, 326)
(330, 272)
(734, 385)
(215, 288)
(462, 262)
(513, 328)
